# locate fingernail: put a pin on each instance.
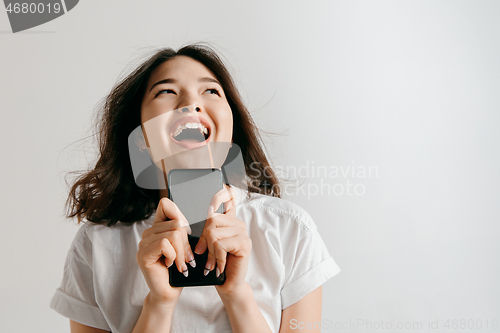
(185, 271)
(210, 209)
(197, 248)
(206, 271)
(191, 260)
(217, 272)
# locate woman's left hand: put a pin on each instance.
(227, 241)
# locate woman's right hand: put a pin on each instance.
(162, 245)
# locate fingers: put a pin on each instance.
(222, 232)
(189, 257)
(215, 234)
(219, 221)
(163, 226)
(238, 245)
(167, 210)
(217, 229)
(173, 232)
(176, 238)
(159, 230)
(225, 196)
(216, 220)
(169, 244)
(149, 254)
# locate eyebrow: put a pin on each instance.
(200, 79)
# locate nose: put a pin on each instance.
(194, 108)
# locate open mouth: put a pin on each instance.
(191, 132)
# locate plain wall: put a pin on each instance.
(407, 91)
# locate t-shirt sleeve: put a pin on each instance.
(308, 265)
(75, 298)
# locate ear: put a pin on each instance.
(140, 141)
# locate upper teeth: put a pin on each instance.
(179, 129)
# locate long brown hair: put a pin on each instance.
(108, 193)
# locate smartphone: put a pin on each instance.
(192, 190)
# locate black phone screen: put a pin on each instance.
(192, 190)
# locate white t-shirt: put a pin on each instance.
(103, 287)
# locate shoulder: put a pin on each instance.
(99, 230)
(81, 247)
(93, 235)
(273, 212)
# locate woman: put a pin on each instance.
(116, 275)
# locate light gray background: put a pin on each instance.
(410, 87)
